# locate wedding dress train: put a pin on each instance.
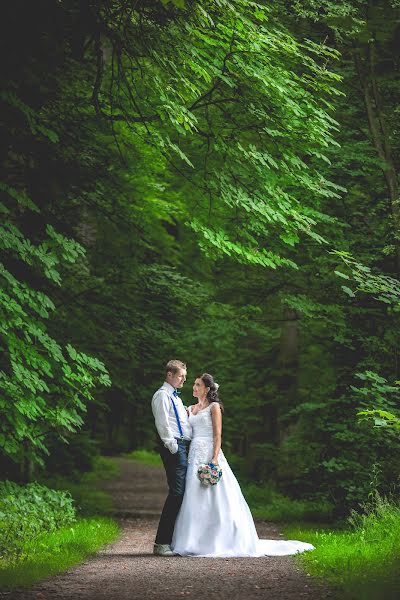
(215, 521)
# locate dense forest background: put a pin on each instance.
(215, 182)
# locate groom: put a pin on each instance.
(173, 439)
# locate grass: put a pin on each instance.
(361, 561)
(52, 553)
(146, 456)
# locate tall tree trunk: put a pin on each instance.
(286, 394)
(288, 362)
(27, 466)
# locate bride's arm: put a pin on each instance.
(217, 430)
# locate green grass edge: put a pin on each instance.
(53, 553)
(356, 568)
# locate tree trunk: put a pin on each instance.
(288, 363)
(27, 466)
(286, 394)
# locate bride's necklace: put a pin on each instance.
(201, 406)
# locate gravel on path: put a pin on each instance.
(127, 569)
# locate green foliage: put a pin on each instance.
(44, 387)
(192, 151)
(383, 397)
(33, 119)
(240, 109)
(86, 488)
(361, 561)
(381, 418)
(41, 530)
(52, 553)
(379, 398)
(266, 503)
(381, 287)
(28, 511)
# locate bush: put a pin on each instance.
(28, 511)
(267, 503)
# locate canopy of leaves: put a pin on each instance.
(212, 181)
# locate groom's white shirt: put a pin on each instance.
(165, 419)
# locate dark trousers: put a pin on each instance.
(175, 468)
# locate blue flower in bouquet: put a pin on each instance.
(209, 474)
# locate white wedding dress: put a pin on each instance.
(216, 521)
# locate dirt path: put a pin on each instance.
(127, 569)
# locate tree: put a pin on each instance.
(45, 386)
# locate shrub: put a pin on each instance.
(28, 511)
(268, 503)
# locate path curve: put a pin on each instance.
(127, 569)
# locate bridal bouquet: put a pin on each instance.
(209, 474)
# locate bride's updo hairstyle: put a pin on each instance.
(212, 395)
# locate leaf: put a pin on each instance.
(348, 291)
(340, 274)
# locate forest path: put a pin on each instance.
(127, 569)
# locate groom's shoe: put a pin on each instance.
(163, 550)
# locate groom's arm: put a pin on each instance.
(161, 406)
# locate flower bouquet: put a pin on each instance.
(209, 474)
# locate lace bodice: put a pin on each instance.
(201, 423)
(201, 448)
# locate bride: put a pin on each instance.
(215, 520)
